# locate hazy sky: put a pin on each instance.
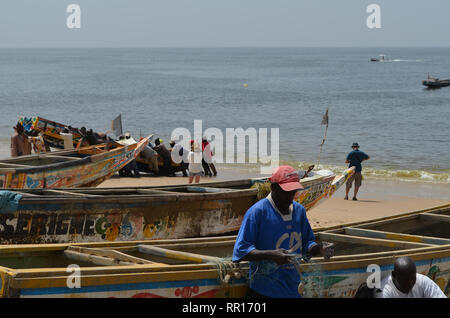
(217, 23)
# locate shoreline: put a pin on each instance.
(376, 198)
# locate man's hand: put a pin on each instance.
(327, 250)
(280, 256)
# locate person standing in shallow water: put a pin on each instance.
(354, 159)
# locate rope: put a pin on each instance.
(227, 270)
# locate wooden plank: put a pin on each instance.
(76, 194)
(125, 278)
(435, 217)
(368, 241)
(386, 219)
(396, 236)
(110, 253)
(13, 165)
(62, 157)
(190, 257)
(95, 259)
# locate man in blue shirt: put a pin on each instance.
(354, 159)
(272, 232)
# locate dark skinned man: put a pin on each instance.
(275, 229)
(405, 282)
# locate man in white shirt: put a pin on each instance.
(405, 282)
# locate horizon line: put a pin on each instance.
(220, 47)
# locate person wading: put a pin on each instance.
(354, 159)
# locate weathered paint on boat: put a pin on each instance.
(126, 217)
(121, 214)
(50, 129)
(200, 267)
(66, 169)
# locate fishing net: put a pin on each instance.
(312, 283)
(264, 188)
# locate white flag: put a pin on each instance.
(117, 125)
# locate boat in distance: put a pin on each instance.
(432, 82)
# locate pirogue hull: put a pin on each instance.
(122, 214)
(201, 267)
(87, 166)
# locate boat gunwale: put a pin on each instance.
(93, 158)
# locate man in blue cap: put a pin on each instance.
(354, 159)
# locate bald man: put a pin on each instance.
(405, 282)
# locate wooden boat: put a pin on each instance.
(201, 267)
(50, 130)
(145, 213)
(88, 166)
(432, 82)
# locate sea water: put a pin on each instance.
(382, 106)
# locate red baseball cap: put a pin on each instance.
(287, 177)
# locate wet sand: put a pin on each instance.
(376, 198)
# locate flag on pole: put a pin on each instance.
(117, 126)
(325, 119)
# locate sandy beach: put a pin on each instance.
(377, 198)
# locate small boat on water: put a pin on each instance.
(87, 166)
(202, 267)
(143, 213)
(432, 82)
(381, 58)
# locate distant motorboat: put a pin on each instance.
(432, 82)
(381, 58)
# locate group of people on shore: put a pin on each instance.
(192, 163)
(177, 158)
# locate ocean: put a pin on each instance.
(382, 106)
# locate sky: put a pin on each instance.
(224, 23)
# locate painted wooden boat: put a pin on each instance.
(423, 235)
(50, 130)
(88, 166)
(201, 267)
(145, 213)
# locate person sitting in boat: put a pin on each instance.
(20, 146)
(405, 282)
(275, 231)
